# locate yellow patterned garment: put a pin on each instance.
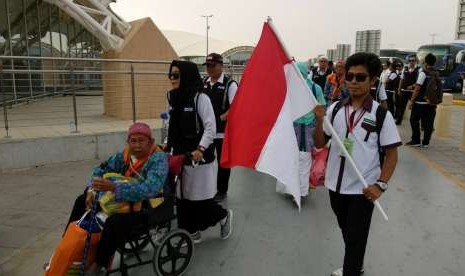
(110, 206)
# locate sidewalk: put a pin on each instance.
(425, 234)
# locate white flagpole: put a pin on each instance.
(326, 121)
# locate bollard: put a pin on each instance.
(443, 115)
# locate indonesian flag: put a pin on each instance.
(259, 133)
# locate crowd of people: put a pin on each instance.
(362, 102)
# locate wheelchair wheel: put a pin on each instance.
(174, 254)
(143, 241)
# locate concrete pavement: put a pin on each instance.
(425, 234)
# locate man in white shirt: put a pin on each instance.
(357, 121)
(221, 89)
(422, 109)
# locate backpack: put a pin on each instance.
(433, 90)
(380, 116)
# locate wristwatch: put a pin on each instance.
(383, 186)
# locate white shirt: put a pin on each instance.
(232, 89)
(320, 72)
(206, 113)
(420, 81)
(364, 153)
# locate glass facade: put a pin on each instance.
(36, 28)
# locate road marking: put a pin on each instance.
(437, 167)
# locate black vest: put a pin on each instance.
(218, 94)
(410, 78)
(320, 79)
(421, 95)
(392, 85)
(187, 130)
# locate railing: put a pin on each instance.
(46, 92)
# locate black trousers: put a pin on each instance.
(223, 173)
(353, 213)
(391, 102)
(426, 114)
(116, 230)
(198, 215)
(401, 105)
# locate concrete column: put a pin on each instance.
(443, 115)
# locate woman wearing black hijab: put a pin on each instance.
(192, 129)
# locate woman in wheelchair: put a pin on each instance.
(143, 167)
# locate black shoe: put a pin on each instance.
(413, 144)
(219, 197)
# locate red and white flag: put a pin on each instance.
(259, 133)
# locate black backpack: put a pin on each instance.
(380, 116)
(433, 89)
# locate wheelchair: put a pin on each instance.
(172, 248)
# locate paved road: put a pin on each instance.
(425, 235)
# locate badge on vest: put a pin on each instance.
(349, 145)
(188, 109)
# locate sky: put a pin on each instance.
(307, 27)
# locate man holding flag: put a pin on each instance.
(365, 128)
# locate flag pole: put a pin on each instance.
(326, 121)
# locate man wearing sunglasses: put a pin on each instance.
(221, 89)
(358, 123)
(406, 86)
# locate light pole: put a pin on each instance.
(207, 17)
(432, 37)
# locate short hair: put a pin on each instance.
(430, 59)
(368, 60)
(412, 56)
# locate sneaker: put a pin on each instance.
(425, 146)
(196, 237)
(226, 225)
(413, 144)
(338, 272)
(219, 197)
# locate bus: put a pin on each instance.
(450, 63)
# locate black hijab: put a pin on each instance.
(190, 84)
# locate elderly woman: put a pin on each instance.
(148, 167)
(192, 130)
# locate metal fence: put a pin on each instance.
(40, 93)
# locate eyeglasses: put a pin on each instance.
(323, 61)
(211, 65)
(411, 60)
(358, 77)
(173, 76)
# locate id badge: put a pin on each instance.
(349, 145)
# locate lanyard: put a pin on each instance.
(349, 120)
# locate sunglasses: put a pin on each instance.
(358, 77)
(173, 76)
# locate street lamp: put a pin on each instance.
(207, 17)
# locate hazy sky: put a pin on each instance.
(308, 27)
